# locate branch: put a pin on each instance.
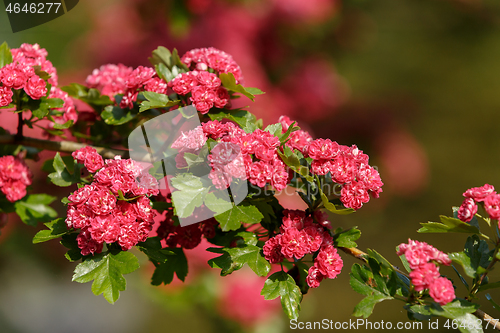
(358, 254)
(61, 146)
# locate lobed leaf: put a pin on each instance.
(283, 285)
(107, 270)
(57, 228)
(34, 208)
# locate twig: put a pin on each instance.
(358, 254)
(61, 146)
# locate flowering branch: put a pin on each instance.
(61, 146)
(358, 254)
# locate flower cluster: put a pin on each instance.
(205, 89)
(204, 59)
(119, 79)
(20, 74)
(68, 110)
(187, 237)
(110, 79)
(485, 194)
(422, 259)
(347, 166)
(14, 177)
(253, 156)
(114, 207)
(298, 236)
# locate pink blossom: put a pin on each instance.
(156, 85)
(272, 250)
(314, 277)
(221, 98)
(192, 140)
(292, 219)
(467, 210)
(322, 218)
(109, 79)
(36, 87)
(442, 291)
(209, 80)
(492, 205)
(139, 77)
(344, 170)
(14, 177)
(294, 243)
(205, 58)
(323, 149)
(354, 195)
(13, 75)
(203, 98)
(479, 193)
(329, 262)
(101, 201)
(87, 244)
(183, 83)
(5, 96)
(423, 276)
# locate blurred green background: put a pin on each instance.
(418, 89)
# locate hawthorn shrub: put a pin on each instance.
(120, 203)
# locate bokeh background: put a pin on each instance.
(415, 84)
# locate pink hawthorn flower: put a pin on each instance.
(329, 262)
(272, 250)
(192, 140)
(36, 87)
(183, 83)
(314, 277)
(205, 58)
(323, 149)
(423, 276)
(13, 75)
(467, 210)
(479, 193)
(6, 94)
(442, 291)
(14, 177)
(492, 205)
(203, 98)
(354, 195)
(294, 243)
(109, 79)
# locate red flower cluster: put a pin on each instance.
(187, 237)
(110, 79)
(19, 74)
(211, 58)
(256, 153)
(485, 194)
(422, 259)
(115, 207)
(205, 88)
(119, 79)
(14, 177)
(349, 167)
(299, 236)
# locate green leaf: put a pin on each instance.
(234, 258)
(190, 194)
(281, 284)
(153, 249)
(217, 205)
(155, 101)
(57, 228)
(476, 254)
(274, 129)
(229, 82)
(114, 115)
(418, 312)
(5, 55)
(61, 176)
(245, 119)
(34, 208)
(448, 224)
(254, 91)
(292, 128)
(170, 59)
(385, 265)
(347, 237)
(232, 219)
(107, 272)
(66, 125)
(70, 242)
(175, 263)
(365, 307)
(468, 323)
(455, 309)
